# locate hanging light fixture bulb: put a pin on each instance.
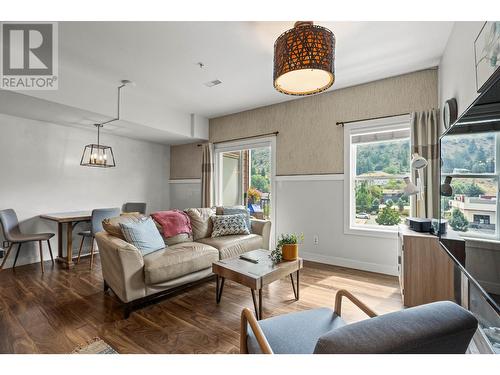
(97, 155)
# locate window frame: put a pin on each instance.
(379, 125)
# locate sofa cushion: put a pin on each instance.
(112, 225)
(232, 246)
(295, 333)
(178, 260)
(226, 225)
(174, 240)
(143, 235)
(180, 238)
(201, 223)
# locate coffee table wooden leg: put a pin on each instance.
(217, 288)
(218, 291)
(295, 288)
(260, 304)
(298, 285)
(255, 305)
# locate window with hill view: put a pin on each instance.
(380, 159)
(471, 162)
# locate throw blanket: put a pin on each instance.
(173, 222)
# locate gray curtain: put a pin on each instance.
(207, 172)
(425, 142)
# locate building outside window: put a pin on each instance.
(377, 157)
(472, 163)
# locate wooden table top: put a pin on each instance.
(66, 217)
(255, 275)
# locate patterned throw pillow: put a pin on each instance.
(234, 210)
(224, 225)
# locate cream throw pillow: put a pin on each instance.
(200, 221)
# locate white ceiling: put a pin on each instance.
(161, 57)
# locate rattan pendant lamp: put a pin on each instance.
(304, 59)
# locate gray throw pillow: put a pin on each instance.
(224, 225)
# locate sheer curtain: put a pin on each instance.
(425, 142)
(207, 172)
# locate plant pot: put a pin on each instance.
(290, 251)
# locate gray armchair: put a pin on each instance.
(435, 328)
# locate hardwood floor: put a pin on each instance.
(57, 311)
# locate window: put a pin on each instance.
(471, 160)
(377, 158)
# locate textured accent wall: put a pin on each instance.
(309, 142)
(185, 162)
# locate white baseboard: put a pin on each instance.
(350, 263)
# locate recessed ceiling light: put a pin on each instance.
(213, 83)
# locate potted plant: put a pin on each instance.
(287, 247)
(253, 195)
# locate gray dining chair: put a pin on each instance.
(98, 215)
(13, 235)
(135, 207)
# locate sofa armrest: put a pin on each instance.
(122, 267)
(263, 228)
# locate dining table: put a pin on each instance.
(69, 219)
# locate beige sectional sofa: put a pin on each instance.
(136, 279)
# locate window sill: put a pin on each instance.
(371, 232)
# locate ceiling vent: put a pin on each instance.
(213, 83)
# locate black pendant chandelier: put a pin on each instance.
(97, 155)
(304, 59)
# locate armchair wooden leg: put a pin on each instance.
(80, 250)
(41, 255)
(6, 254)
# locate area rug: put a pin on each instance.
(95, 346)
